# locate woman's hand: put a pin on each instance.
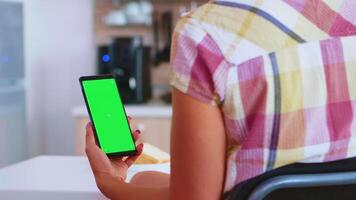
(108, 170)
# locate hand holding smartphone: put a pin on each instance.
(108, 116)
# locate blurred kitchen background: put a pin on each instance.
(46, 45)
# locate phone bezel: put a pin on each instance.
(100, 77)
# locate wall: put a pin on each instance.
(59, 47)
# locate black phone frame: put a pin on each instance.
(100, 77)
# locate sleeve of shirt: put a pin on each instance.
(195, 61)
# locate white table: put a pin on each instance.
(56, 178)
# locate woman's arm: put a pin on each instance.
(198, 148)
(151, 179)
(110, 173)
(117, 190)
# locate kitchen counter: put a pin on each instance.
(153, 119)
(151, 110)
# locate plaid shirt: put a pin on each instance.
(282, 72)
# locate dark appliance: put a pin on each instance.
(162, 31)
(103, 60)
(129, 60)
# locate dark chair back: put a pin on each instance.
(301, 181)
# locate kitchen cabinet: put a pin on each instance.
(154, 121)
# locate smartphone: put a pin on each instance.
(107, 114)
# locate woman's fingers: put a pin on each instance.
(97, 158)
(91, 148)
(136, 135)
(89, 137)
(130, 160)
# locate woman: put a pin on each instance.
(256, 85)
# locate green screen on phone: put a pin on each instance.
(108, 116)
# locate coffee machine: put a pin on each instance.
(129, 61)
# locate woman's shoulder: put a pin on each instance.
(226, 26)
(197, 57)
(246, 29)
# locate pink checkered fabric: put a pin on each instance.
(283, 74)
